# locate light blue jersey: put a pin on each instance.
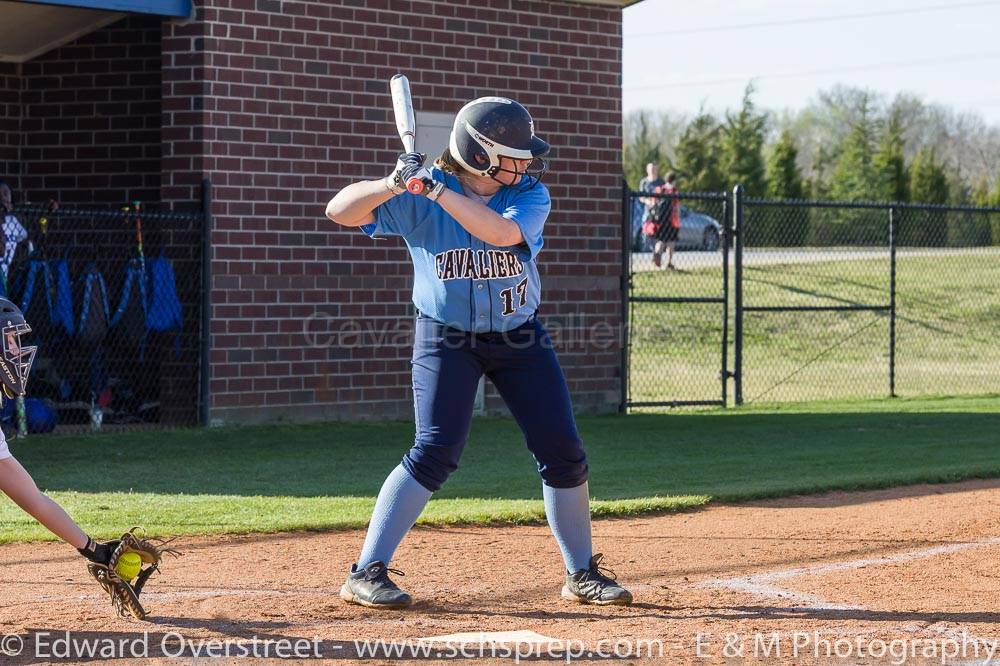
(460, 280)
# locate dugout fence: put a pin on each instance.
(828, 300)
(116, 300)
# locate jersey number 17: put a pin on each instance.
(507, 295)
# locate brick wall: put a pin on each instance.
(294, 104)
(10, 115)
(91, 118)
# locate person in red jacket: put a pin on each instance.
(669, 222)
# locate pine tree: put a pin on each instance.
(854, 176)
(975, 228)
(928, 184)
(742, 141)
(889, 161)
(959, 194)
(815, 185)
(854, 179)
(981, 195)
(994, 218)
(698, 156)
(928, 179)
(783, 178)
(781, 226)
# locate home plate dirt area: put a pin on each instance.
(836, 578)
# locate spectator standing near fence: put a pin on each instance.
(648, 185)
(667, 219)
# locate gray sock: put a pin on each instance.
(398, 506)
(568, 513)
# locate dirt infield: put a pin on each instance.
(917, 567)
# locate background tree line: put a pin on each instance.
(849, 144)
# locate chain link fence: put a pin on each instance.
(114, 299)
(677, 317)
(826, 300)
(947, 301)
(813, 318)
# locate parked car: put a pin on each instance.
(698, 231)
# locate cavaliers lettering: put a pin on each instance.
(463, 264)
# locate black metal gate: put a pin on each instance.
(831, 300)
(674, 350)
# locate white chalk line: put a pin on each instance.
(762, 585)
(206, 594)
(773, 591)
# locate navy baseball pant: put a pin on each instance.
(447, 366)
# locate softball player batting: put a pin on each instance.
(474, 235)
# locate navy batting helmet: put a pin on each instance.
(489, 128)
(16, 359)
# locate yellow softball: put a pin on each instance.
(128, 566)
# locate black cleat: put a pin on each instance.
(595, 585)
(372, 587)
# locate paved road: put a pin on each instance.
(643, 261)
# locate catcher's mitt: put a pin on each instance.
(125, 594)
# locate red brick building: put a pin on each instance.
(279, 103)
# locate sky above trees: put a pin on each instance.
(685, 56)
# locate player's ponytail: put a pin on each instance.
(447, 163)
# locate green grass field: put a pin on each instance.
(948, 330)
(323, 476)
